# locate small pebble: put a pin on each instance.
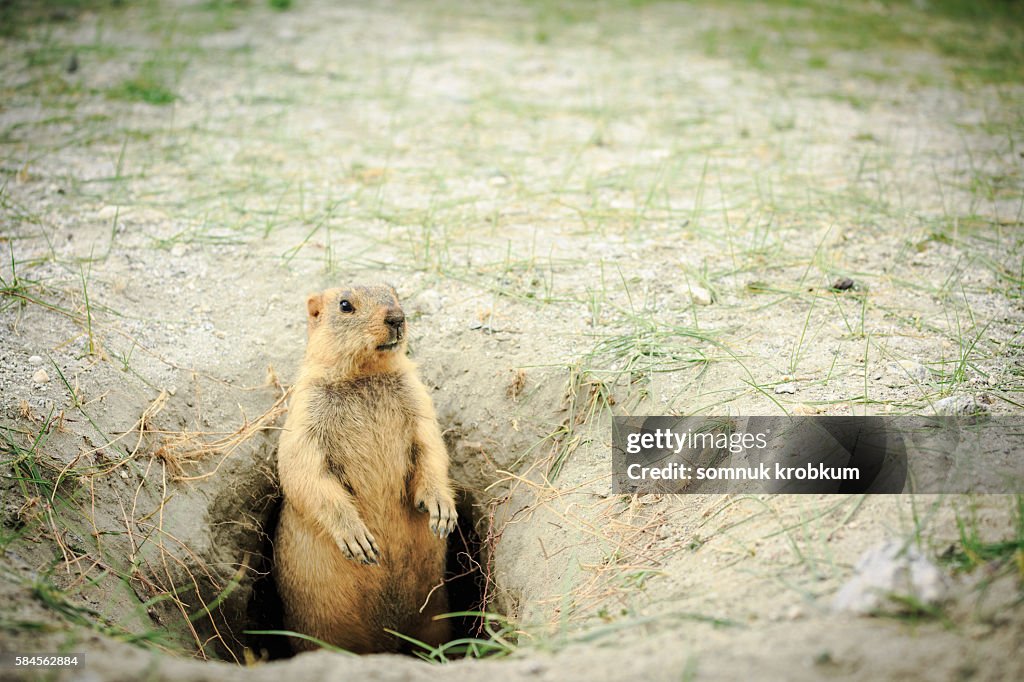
(909, 369)
(428, 302)
(35, 360)
(534, 668)
(961, 406)
(701, 296)
(824, 658)
(41, 377)
(109, 212)
(842, 284)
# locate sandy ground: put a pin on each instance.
(586, 209)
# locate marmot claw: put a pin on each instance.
(359, 545)
(442, 512)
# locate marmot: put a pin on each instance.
(360, 545)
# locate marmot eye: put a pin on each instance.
(346, 306)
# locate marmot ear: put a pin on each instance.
(314, 306)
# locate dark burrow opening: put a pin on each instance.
(465, 579)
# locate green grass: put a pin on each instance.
(499, 642)
(981, 42)
(85, 564)
(54, 505)
(57, 600)
(974, 552)
(156, 79)
(146, 89)
(19, 16)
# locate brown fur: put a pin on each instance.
(365, 478)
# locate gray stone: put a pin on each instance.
(428, 302)
(961, 406)
(905, 370)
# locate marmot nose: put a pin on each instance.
(395, 318)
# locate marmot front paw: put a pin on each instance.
(441, 508)
(358, 544)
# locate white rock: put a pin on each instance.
(108, 212)
(789, 388)
(35, 360)
(888, 575)
(960, 406)
(41, 377)
(428, 302)
(700, 295)
(909, 369)
(306, 66)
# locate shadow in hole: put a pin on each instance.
(265, 611)
(464, 574)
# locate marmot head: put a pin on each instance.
(359, 326)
